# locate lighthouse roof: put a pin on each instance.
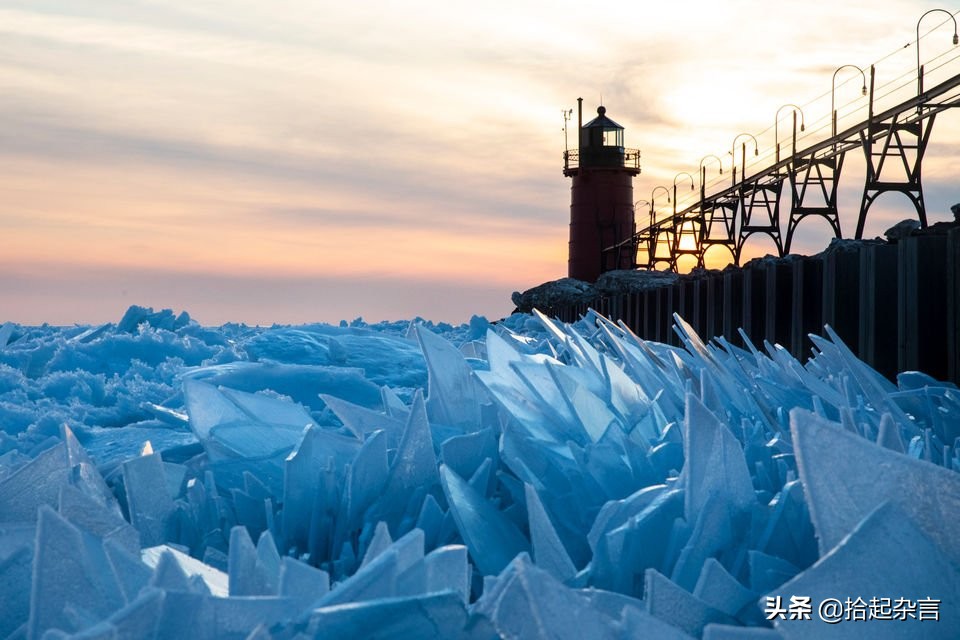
(602, 121)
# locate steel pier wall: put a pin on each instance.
(894, 305)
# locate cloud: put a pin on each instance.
(422, 139)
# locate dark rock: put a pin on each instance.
(901, 230)
(622, 281)
(843, 245)
(557, 292)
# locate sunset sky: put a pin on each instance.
(297, 161)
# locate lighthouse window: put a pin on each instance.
(613, 138)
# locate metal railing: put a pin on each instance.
(630, 158)
(877, 128)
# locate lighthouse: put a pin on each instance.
(601, 198)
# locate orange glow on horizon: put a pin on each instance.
(329, 143)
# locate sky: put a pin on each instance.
(298, 161)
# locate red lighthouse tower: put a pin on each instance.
(601, 198)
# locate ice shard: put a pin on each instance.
(527, 602)
(678, 607)
(430, 617)
(714, 464)
(39, 481)
(720, 590)
(151, 506)
(493, 540)
(378, 578)
(846, 477)
(413, 471)
(310, 475)
(579, 482)
(16, 568)
(454, 397)
(548, 551)
(362, 421)
(73, 584)
(239, 430)
(886, 557)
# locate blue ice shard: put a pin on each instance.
(623, 553)
(616, 512)
(302, 583)
(131, 571)
(6, 331)
(680, 608)
(888, 556)
(788, 532)
(846, 477)
(169, 576)
(97, 519)
(720, 590)
(548, 551)
(249, 575)
(611, 603)
(73, 583)
(888, 434)
(380, 542)
(714, 464)
(39, 481)
(640, 624)
(591, 413)
(493, 540)
(527, 602)
(767, 572)
(464, 454)
(447, 569)
(427, 617)
(378, 578)
(138, 619)
(239, 429)
(364, 482)
(310, 477)
(413, 472)
(362, 421)
(511, 379)
(453, 395)
(713, 532)
(444, 569)
(16, 567)
(216, 582)
(33, 484)
(436, 524)
(302, 383)
(393, 404)
(148, 501)
(206, 617)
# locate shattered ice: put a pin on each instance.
(159, 479)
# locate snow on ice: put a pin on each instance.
(522, 479)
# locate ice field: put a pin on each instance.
(522, 479)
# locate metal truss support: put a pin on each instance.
(894, 139)
(893, 147)
(718, 227)
(760, 211)
(814, 179)
(644, 241)
(686, 238)
(663, 235)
